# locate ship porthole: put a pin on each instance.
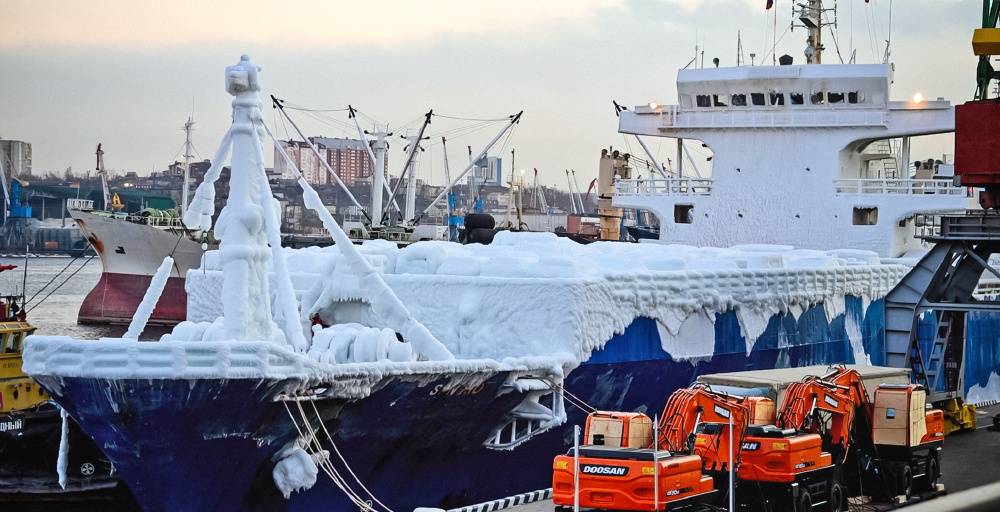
(15, 393)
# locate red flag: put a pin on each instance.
(770, 3)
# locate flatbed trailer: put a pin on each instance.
(772, 383)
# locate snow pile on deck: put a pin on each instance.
(535, 294)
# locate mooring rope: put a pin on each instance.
(574, 400)
(308, 434)
(329, 438)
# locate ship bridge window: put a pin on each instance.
(796, 98)
(835, 97)
(865, 216)
(702, 100)
(739, 100)
(856, 97)
(13, 343)
(777, 99)
(720, 100)
(683, 213)
(757, 99)
(817, 98)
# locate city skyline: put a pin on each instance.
(75, 75)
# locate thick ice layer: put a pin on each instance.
(534, 294)
(62, 356)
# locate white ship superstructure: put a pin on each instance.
(800, 157)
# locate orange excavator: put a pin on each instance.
(620, 467)
(829, 441)
(885, 446)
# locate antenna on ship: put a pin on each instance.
(811, 15)
(188, 127)
(739, 49)
(104, 177)
(888, 40)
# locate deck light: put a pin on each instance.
(654, 105)
(918, 98)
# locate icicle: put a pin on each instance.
(149, 300)
(63, 460)
(202, 207)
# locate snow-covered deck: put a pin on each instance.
(534, 294)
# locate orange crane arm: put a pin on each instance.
(840, 394)
(697, 404)
(593, 183)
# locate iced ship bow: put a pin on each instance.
(235, 415)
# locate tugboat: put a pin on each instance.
(32, 428)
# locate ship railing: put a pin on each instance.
(79, 204)
(672, 117)
(897, 186)
(669, 187)
(159, 222)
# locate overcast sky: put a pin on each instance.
(128, 74)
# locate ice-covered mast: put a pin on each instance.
(248, 225)
(243, 251)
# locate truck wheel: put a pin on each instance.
(835, 500)
(904, 481)
(805, 502)
(931, 477)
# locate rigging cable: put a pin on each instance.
(313, 443)
(60, 284)
(341, 457)
(570, 397)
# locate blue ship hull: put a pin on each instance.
(207, 444)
